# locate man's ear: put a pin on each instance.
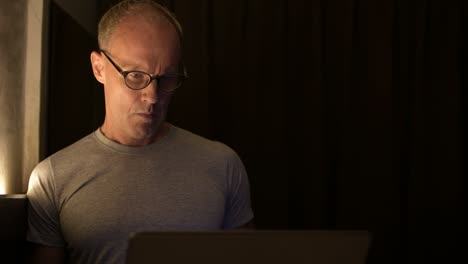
(97, 64)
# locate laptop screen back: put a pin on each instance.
(285, 246)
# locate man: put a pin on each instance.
(136, 172)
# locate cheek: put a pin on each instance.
(164, 99)
(121, 100)
(130, 102)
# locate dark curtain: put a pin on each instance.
(347, 114)
(75, 101)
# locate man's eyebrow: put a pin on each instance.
(134, 66)
(130, 66)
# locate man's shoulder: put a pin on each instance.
(70, 156)
(77, 153)
(191, 141)
(76, 149)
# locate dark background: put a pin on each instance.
(348, 114)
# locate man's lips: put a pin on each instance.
(147, 115)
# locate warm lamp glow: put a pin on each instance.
(3, 171)
(2, 186)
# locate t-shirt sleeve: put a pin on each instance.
(43, 215)
(238, 210)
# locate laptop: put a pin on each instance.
(257, 246)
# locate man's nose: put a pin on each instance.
(150, 93)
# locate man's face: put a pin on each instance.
(136, 117)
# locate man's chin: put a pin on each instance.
(148, 131)
(145, 131)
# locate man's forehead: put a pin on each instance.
(137, 30)
(145, 28)
(145, 47)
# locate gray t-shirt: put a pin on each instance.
(90, 196)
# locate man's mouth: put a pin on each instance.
(148, 116)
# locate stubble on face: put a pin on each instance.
(149, 119)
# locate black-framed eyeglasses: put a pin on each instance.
(137, 80)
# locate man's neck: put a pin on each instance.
(160, 133)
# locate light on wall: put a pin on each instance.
(3, 171)
(21, 47)
(2, 184)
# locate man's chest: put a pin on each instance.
(109, 208)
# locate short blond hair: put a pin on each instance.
(110, 20)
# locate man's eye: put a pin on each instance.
(136, 75)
